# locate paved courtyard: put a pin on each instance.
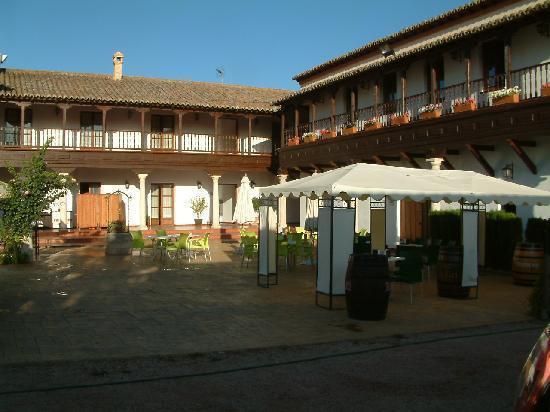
(79, 304)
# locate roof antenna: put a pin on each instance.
(220, 71)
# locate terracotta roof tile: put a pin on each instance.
(36, 85)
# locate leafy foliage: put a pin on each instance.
(198, 205)
(32, 189)
(116, 226)
(445, 225)
(503, 231)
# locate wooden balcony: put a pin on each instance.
(115, 149)
(486, 122)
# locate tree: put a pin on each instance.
(32, 189)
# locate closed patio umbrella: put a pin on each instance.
(244, 209)
(312, 211)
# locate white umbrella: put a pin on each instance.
(244, 209)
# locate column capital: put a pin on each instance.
(142, 176)
(23, 104)
(143, 109)
(215, 177)
(282, 178)
(65, 171)
(104, 108)
(64, 106)
(435, 162)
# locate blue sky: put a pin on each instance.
(258, 43)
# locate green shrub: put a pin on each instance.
(116, 226)
(536, 230)
(445, 225)
(503, 231)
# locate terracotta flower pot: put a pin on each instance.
(373, 126)
(512, 98)
(545, 91)
(399, 120)
(465, 107)
(431, 115)
(294, 141)
(349, 130)
(328, 135)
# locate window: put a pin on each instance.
(90, 187)
(348, 99)
(162, 132)
(91, 129)
(438, 71)
(13, 124)
(493, 63)
(389, 87)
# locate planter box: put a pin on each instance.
(464, 107)
(513, 98)
(545, 91)
(310, 139)
(328, 135)
(399, 120)
(374, 126)
(349, 130)
(294, 141)
(118, 244)
(430, 115)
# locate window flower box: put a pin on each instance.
(294, 141)
(505, 96)
(401, 119)
(430, 111)
(349, 130)
(310, 137)
(372, 126)
(325, 134)
(464, 105)
(545, 90)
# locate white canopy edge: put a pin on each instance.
(364, 181)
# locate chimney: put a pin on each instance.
(118, 59)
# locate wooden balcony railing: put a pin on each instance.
(120, 140)
(528, 79)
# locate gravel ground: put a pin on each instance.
(473, 369)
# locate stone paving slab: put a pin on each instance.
(79, 304)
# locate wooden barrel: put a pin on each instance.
(367, 286)
(449, 273)
(528, 263)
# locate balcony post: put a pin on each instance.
(313, 116)
(180, 129)
(143, 133)
(468, 63)
(296, 120)
(403, 90)
(283, 142)
(64, 108)
(22, 108)
(104, 111)
(433, 83)
(376, 97)
(333, 112)
(352, 104)
(508, 62)
(250, 118)
(214, 145)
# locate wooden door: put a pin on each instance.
(413, 220)
(228, 136)
(162, 204)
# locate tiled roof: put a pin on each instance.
(462, 32)
(409, 31)
(51, 86)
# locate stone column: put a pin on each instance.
(436, 165)
(63, 221)
(142, 201)
(215, 202)
(282, 204)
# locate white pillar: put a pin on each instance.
(282, 204)
(435, 163)
(142, 201)
(63, 221)
(215, 202)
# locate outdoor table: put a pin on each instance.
(161, 249)
(392, 260)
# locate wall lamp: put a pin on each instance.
(508, 171)
(252, 184)
(127, 185)
(386, 50)
(199, 185)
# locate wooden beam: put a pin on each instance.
(410, 159)
(479, 157)
(522, 155)
(379, 160)
(447, 164)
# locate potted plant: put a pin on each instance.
(371, 124)
(325, 133)
(467, 104)
(430, 111)
(119, 240)
(505, 96)
(198, 206)
(294, 141)
(545, 90)
(309, 137)
(399, 119)
(349, 128)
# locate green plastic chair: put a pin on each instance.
(200, 245)
(137, 241)
(410, 272)
(282, 251)
(160, 232)
(250, 249)
(178, 249)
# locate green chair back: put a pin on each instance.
(160, 232)
(136, 234)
